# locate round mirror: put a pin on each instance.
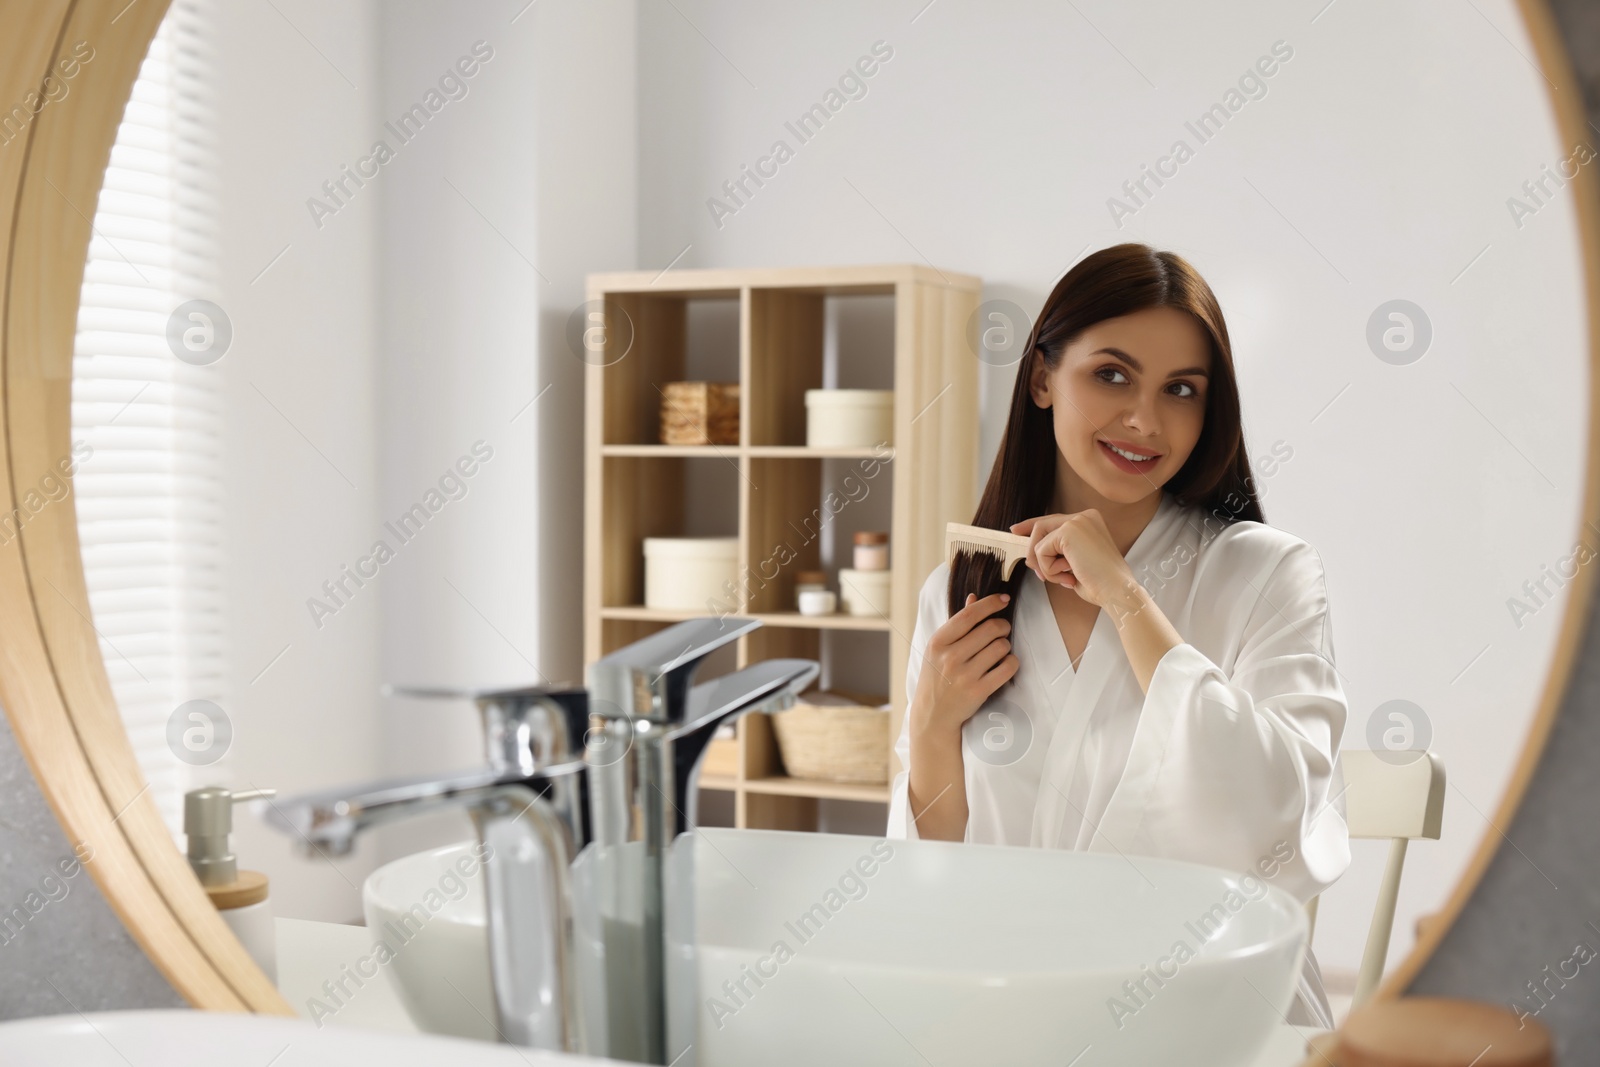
(292, 412)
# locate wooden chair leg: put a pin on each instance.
(1377, 950)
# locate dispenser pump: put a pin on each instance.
(240, 897)
(207, 822)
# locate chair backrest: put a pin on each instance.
(1398, 796)
(1393, 794)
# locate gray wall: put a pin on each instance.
(1539, 900)
(72, 953)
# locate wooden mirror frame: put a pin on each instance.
(53, 682)
(52, 679)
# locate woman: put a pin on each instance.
(1159, 681)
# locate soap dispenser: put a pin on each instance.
(240, 897)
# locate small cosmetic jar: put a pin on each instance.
(871, 551)
(818, 602)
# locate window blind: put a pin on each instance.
(149, 497)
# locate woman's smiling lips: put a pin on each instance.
(1123, 463)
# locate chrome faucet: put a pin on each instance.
(604, 776)
(644, 751)
(524, 819)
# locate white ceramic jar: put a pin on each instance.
(818, 602)
(688, 573)
(864, 592)
(849, 418)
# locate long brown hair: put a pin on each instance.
(1112, 282)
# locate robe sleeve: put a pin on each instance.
(1241, 771)
(931, 614)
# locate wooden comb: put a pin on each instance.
(1008, 548)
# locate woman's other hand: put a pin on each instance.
(1035, 530)
(1076, 551)
(967, 659)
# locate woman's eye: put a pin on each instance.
(1189, 390)
(1103, 373)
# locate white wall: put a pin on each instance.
(1376, 166)
(428, 313)
(492, 218)
(424, 314)
(301, 446)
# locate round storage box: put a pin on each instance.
(849, 418)
(864, 592)
(690, 573)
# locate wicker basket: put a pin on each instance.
(835, 736)
(700, 413)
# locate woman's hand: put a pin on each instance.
(967, 659)
(1077, 551)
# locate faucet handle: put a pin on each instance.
(650, 678)
(525, 729)
(769, 685)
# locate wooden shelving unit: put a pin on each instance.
(636, 488)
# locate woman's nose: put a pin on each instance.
(1142, 416)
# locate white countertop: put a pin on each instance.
(311, 953)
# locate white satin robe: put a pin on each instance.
(1233, 751)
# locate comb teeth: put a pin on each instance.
(1008, 548)
(1007, 562)
(958, 545)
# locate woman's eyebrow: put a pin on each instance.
(1130, 361)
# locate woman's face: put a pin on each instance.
(1136, 383)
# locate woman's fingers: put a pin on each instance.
(962, 620)
(1042, 533)
(990, 654)
(969, 653)
(1047, 552)
(971, 629)
(1034, 537)
(973, 612)
(1000, 673)
(969, 648)
(1025, 528)
(977, 610)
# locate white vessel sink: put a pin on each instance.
(207, 1039)
(917, 952)
(440, 969)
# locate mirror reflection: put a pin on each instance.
(410, 429)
